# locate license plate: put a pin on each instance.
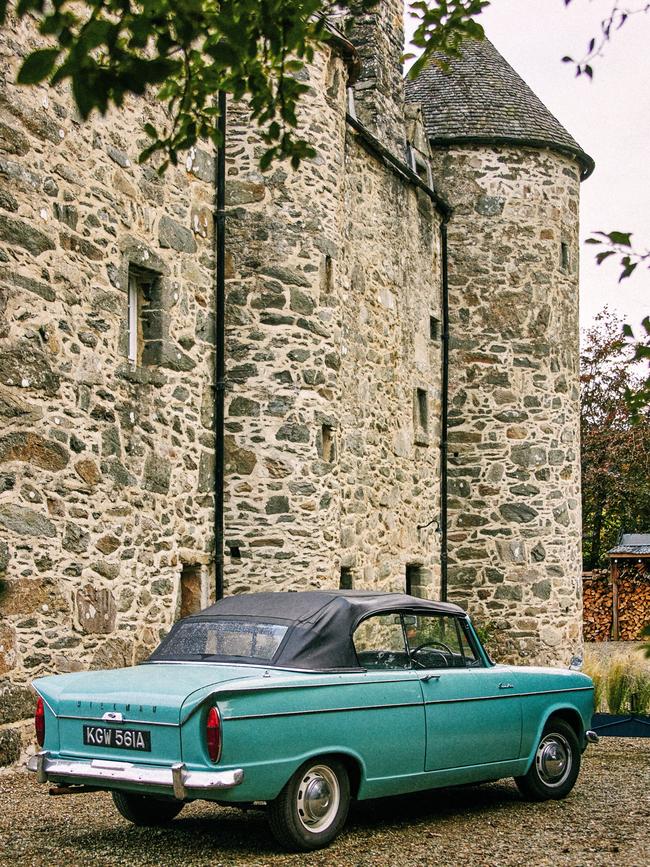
(117, 739)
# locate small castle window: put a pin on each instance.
(565, 258)
(345, 581)
(434, 328)
(421, 416)
(420, 166)
(190, 589)
(145, 317)
(415, 580)
(328, 444)
(327, 273)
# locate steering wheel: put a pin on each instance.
(433, 645)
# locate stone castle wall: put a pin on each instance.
(390, 466)
(514, 462)
(332, 275)
(333, 374)
(104, 468)
(107, 467)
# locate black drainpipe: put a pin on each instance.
(444, 417)
(219, 348)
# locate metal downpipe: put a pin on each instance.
(219, 348)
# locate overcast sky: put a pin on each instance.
(609, 117)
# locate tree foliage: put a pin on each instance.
(191, 49)
(615, 451)
(617, 17)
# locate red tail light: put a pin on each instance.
(39, 722)
(213, 734)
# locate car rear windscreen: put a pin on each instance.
(220, 639)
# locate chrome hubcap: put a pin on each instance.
(318, 798)
(553, 759)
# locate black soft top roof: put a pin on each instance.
(320, 622)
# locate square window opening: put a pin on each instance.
(346, 581)
(415, 580)
(145, 317)
(190, 589)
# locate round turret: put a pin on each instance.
(512, 174)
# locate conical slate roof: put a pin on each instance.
(482, 100)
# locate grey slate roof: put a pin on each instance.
(483, 100)
(632, 543)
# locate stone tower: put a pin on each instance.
(512, 174)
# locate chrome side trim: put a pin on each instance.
(509, 695)
(180, 782)
(499, 697)
(322, 710)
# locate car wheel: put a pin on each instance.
(312, 808)
(144, 810)
(555, 766)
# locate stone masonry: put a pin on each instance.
(514, 457)
(334, 370)
(328, 342)
(105, 468)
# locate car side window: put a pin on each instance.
(379, 643)
(438, 641)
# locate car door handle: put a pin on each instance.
(505, 685)
(427, 677)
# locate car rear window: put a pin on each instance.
(223, 639)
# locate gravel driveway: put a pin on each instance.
(605, 821)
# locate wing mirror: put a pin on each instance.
(576, 663)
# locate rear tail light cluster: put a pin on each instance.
(39, 722)
(213, 734)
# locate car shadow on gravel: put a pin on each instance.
(244, 834)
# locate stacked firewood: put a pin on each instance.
(597, 606)
(633, 600)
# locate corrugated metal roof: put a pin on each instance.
(630, 549)
(483, 98)
(632, 543)
(634, 539)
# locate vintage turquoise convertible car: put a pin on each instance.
(304, 701)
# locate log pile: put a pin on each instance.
(633, 602)
(616, 603)
(597, 607)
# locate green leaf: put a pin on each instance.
(622, 238)
(37, 66)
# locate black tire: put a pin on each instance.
(312, 808)
(555, 766)
(145, 810)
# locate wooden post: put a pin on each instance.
(615, 631)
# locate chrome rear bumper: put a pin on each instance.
(180, 782)
(592, 737)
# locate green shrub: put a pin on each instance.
(640, 691)
(620, 678)
(598, 674)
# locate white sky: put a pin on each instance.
(609, 117)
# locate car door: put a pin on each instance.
(472, 712)
(394, 724)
